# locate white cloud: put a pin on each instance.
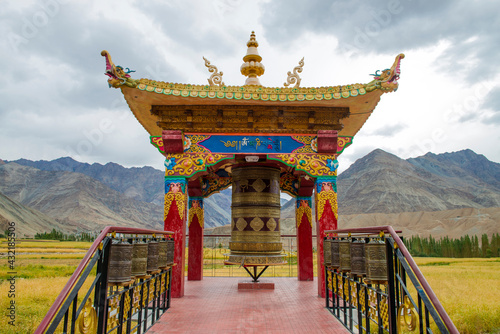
(55, 95)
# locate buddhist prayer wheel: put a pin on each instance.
(152, 256)
(139, 258)
(162, 254)
(120, 262)
(260, 140)
(170, 252)
(376, 261)
(327, 252)
(345, 255)
(358, 266)
(335, 253)
(255, 214)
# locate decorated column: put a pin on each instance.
(303, 217)
(326, 219)
(195, 248)
(175, 221)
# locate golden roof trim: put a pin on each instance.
(252, 92)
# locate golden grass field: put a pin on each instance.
(469, 289)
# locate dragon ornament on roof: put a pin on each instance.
(386, 80)
(118, 76)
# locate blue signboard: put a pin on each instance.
(265, 144)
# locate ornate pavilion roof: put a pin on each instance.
(252, 107)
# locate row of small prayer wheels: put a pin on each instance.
(138, 258)
(363, 257)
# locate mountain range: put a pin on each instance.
(416, 194)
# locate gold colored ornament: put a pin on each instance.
(322, 198)
(407, 316)
(216, 77)
(362, 299)
(294, 78)
(137, 299)
(354, 297)
(126, 306)
(180, 200)
(87, 320)
(384, 311)
(310, 144)
(252, 67)
(198, 212)
(163, 276)
(313, 164)
(113, 305)
(303, 210)
(191, 143)
(189, 164)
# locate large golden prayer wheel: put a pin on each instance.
(255, 217)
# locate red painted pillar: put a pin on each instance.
(326, 219)
(175, 221)
(195, 248)
(303, 218)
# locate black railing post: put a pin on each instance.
(326, 288)
(102, 287)
(169, 290)
(358, 306)
(391, 298)
(350, 303)
(367, 309)
(65, 325)
(73, 314)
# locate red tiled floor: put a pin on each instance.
(215, 305)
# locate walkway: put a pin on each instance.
(214, 305)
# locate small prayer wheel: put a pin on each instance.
(170, 251)
(345, 255)
(162, 253)
(139, 258)
(376, 261)
(120, 262)
(358, 266)
(152, 256)
(335, 253)
(327, 252)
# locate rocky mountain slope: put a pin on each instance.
(383, 183)
(452, 223)
(28, 221)
(78, 202)
(449, 194)
(144, 184)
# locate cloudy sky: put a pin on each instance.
(55, 100)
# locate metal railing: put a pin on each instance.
(108, 307)
(217, 245)
(393, 306)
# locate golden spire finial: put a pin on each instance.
(252, 68)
